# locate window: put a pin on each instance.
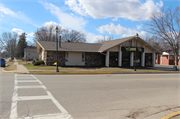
(66, 56)
(83, 57)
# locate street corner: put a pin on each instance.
(14, 72)
(174, 115)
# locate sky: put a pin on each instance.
(95, 18)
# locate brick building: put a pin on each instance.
(115, 53)
(166, 59)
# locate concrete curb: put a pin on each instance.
(86, 73)
(14, 72)
(171, 115)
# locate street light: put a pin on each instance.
(57, 70)
(136, 36)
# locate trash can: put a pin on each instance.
(3, 62)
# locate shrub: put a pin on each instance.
(39, 62)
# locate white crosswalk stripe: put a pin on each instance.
(15, 99)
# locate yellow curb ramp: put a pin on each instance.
(171, 115)
(14, 72)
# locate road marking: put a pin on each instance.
(29, 86)
(53, 99)
(15, 98)
(27, 81)
(22, 98)
(51, 116)
(14, 102)
(171, 115)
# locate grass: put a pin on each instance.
(76, 70)
(10, 66)
(67, 70)
(23, 62)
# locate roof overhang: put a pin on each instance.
(39, 46)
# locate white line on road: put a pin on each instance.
(16, 98)
(29, 86)
(61, 108)
(27, 81)
(13, 114)
(22, 98)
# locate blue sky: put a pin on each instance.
(95, 18)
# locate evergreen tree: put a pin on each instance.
(21, 45)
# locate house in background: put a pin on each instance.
(30, 53)
(166, 59)
(115, 53)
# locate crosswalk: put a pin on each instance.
(19, 84)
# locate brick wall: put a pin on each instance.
(94, 59)
(50, 58)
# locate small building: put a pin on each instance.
(115, 53)
(30, 53)
(166, 58)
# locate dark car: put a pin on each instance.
(3, 62)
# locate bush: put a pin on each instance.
(39, 62)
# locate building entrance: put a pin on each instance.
(113, 59)
(125, 58)
(148, 59)
(138, 59)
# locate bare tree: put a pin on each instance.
(73, 36)
(166, 26)
(104, 39)
(157, 43)
(47, 33)
(9, 41)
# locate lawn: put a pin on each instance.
(10, 66)
(72, 70)
(23, 62)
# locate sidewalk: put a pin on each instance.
(20, 68)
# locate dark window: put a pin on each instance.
(125, 58)
(113, 59)
(138, 59)
(148, 59)
(82, 57)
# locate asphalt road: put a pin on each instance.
(117, 96)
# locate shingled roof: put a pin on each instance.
(87, 47)
(67, 46)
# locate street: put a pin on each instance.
(111, 96)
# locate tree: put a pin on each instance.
(157, 43)
(166, 26)
(9, 43)
(104, 39)
(49, 34)
(21, 45)
(73, 36)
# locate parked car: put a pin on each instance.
(3, 62)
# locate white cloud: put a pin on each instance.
(115, 19)
(119, 30)
(2, 15)
(30, 34)
(139, 27)
(130, 9)
(66, 20)
(92, 38)
(75, 6)
(18, 15)
(18, 31)
(51, 23)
